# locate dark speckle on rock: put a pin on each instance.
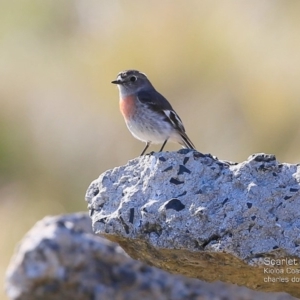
(183, 194)
(287, 197)
(221, 164)
(161, 158)
(174, 204)
(224, 201)
(264, 157)
(168, 169)
(91, 212)
(184, 151)
(103, 220)
(131, 216)
(249, 204)
(186, 159)
(62, 224)
(150, 227)
(198, 155)
(211, 156)
(183, 169)
(100, 206)
(275, 247)
(253, 218)
(176, 181)
(95, 191)
(293, 190)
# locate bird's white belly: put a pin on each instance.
(150, 132)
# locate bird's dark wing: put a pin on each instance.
(154, 100)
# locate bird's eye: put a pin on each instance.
(133, 79)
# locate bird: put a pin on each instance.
(148, 115)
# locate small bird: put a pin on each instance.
(148, 115)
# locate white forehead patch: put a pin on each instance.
(124, 74)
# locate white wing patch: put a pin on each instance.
(174, 119)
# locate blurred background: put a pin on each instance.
(231, 70)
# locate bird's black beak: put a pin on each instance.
(116, 81)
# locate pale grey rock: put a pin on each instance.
(194, 215)
(60, 258)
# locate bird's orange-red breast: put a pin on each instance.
(127, 106)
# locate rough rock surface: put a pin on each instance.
(60, 258)
(195, 215)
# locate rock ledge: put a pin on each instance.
(195, 215)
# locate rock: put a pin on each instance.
(195, 215)
(60, 258)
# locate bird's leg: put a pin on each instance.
(163, 145)
(147, 145)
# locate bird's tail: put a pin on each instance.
(186, 142)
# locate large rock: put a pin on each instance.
(195, 215)
(60, 258)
